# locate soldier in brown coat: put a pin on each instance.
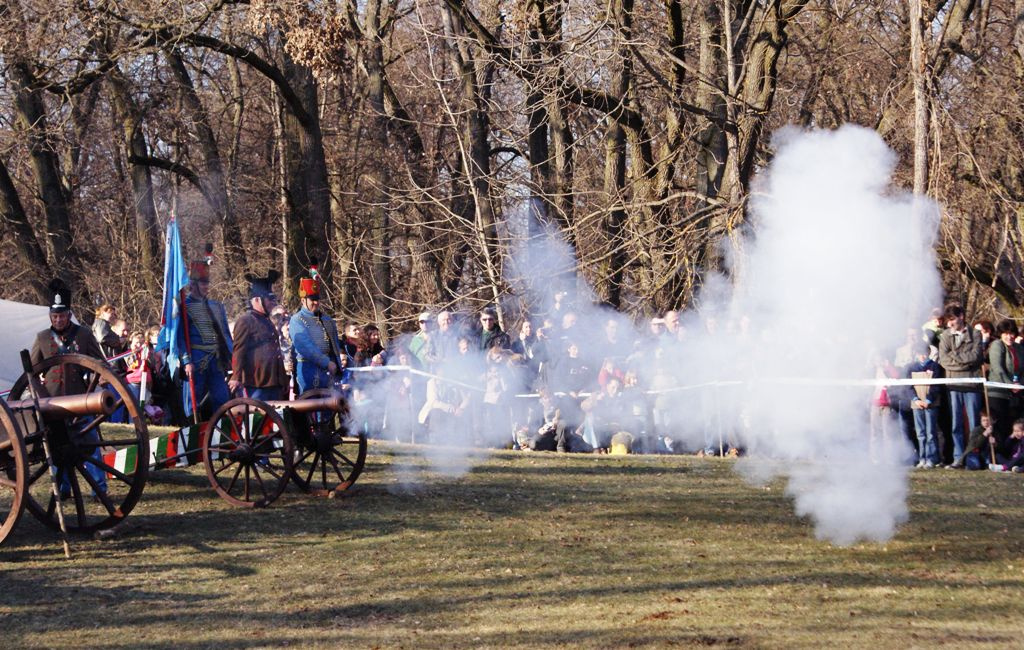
(257, 364)
(63, 337)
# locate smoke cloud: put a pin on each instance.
(837, 265)
(840, 266)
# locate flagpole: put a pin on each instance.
(144, 354)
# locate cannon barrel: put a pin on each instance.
(101, 402)
(333, 403)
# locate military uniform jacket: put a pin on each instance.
(312, 338)
(203, 327)
(257, 359)
(75, 340)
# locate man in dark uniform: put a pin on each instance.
(207, 345)
(65, 337)
(257, 364)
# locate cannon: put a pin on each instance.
(14, 462)
(101, 453)
(85, 430)
(329, 458)
(13, 472)
(52, 409)
(253, 448)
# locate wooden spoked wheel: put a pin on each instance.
(329, 459)
(13, 472)
(248, 453)
(100, 461)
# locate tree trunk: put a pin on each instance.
(711, 159)
(473, 125)
(212, 180)
(380, 228)
(542, 206)
(30, 114)
(308, 218)
(563, 176)
(147, 228)
(614, 271)
(919, 77)
(954, 23)
(12, 215)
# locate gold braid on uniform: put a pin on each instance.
(199, 315)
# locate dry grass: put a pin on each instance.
(525, 550)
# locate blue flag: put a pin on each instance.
(175, 279)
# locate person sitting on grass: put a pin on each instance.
(982, 436)
(1010, 454)
(553, 434)
(608, 413)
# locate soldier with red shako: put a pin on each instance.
(314, 340)
(206, 340)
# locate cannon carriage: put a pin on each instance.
(98, 450)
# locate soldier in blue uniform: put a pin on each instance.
(208, 349)
(315, 340)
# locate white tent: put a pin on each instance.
(19, 324)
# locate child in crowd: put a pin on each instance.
(140, 374)
(1010, 454)
(883, 423)
(925, 408)
(981, 437)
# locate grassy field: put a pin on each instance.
(525, 550)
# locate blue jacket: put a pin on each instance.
(935, 390)
(311, 341)
(197, 338)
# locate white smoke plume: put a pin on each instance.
(840, 267)
(837, 266)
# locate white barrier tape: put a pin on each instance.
(370, 369)
(792, 381)
(879, 382)
(415, 371)
(797, 381)
(555, 394)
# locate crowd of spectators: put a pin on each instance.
(959, 426)
(550, 384)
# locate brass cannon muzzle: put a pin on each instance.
(101, 402)
(332, 403)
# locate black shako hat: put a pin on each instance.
(60, 296)
(262, 287)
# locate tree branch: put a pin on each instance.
(184, 171)
(12, 214)
(255, 61)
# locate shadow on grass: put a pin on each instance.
(454, 516)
